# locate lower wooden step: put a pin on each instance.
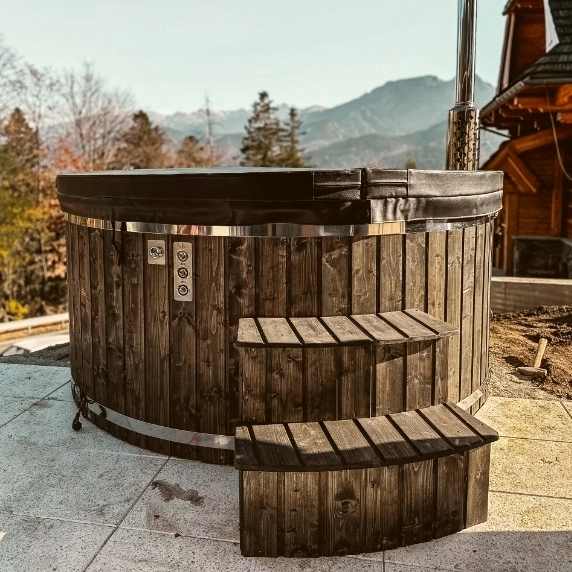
(361, 485)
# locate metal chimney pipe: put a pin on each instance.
(463, 132)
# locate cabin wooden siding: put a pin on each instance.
(537, 191)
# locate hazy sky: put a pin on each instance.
(168, 53)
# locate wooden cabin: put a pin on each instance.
(534, 105)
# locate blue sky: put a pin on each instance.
(168, 53)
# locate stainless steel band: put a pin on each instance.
(160, 432)
(280, 229)
(195, 438)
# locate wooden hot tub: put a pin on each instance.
(153, 330)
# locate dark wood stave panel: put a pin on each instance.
(190, 379)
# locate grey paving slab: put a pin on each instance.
(44, 545)
(508, 511)
(192, 499)
(528, 418)
(488, 551)
(540, 468)
(143, 551)
(31, 381)
(72, 484)
(11, 407)
(62, 394)
(48, 423)
(512, 539)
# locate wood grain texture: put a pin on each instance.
(382, 509)
(390, 268)
(156, 294)
(259, 514)
(453, 308)
(389, 378)
(321, 384)
(133, 330)
(252, 392)
(478, 466)
(342, 501)
(364, 275)
(285, 392)
(84, 283)
(98, 315)
(418, 505)
(241, 302)
(355, 382)
(467, 312)
(476, 378)
(301, 515)
(419, 379)
(271, 278)
(211, 347)
(415, 279)
(335, 269)
(451, 494)
(114, 331)
(182, 361)
(303, 277)
(73, 301)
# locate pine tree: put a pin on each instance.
(20, 157)
(263, 143)
(192, 154)
(291, 155)
(141, 145)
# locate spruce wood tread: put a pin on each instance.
(393, 439)
(386, 328)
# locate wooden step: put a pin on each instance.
(331, 331)
(361, 485)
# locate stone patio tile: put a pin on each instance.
(515, 536)
(63, 393)
(211, 512)
(568, 406)
(31, 381)
(71, 484)
(11, 407)
(43, 545)
(49, 424)
(528, 418)
(488, 551)
(142, 551)
(531, 467)
(509, 511)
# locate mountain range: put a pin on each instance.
(392, 124)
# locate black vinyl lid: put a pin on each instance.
(237, 184)
(248, 196)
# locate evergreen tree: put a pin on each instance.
(263, 143)
(192, 154)
(141, 145)
(20, 157)
(291, 155)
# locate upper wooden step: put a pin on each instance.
(393, 439)
(388, 328)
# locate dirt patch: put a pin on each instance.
(169, 492)
(513, 343)
(53, 356)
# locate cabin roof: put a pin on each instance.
(555, 67)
